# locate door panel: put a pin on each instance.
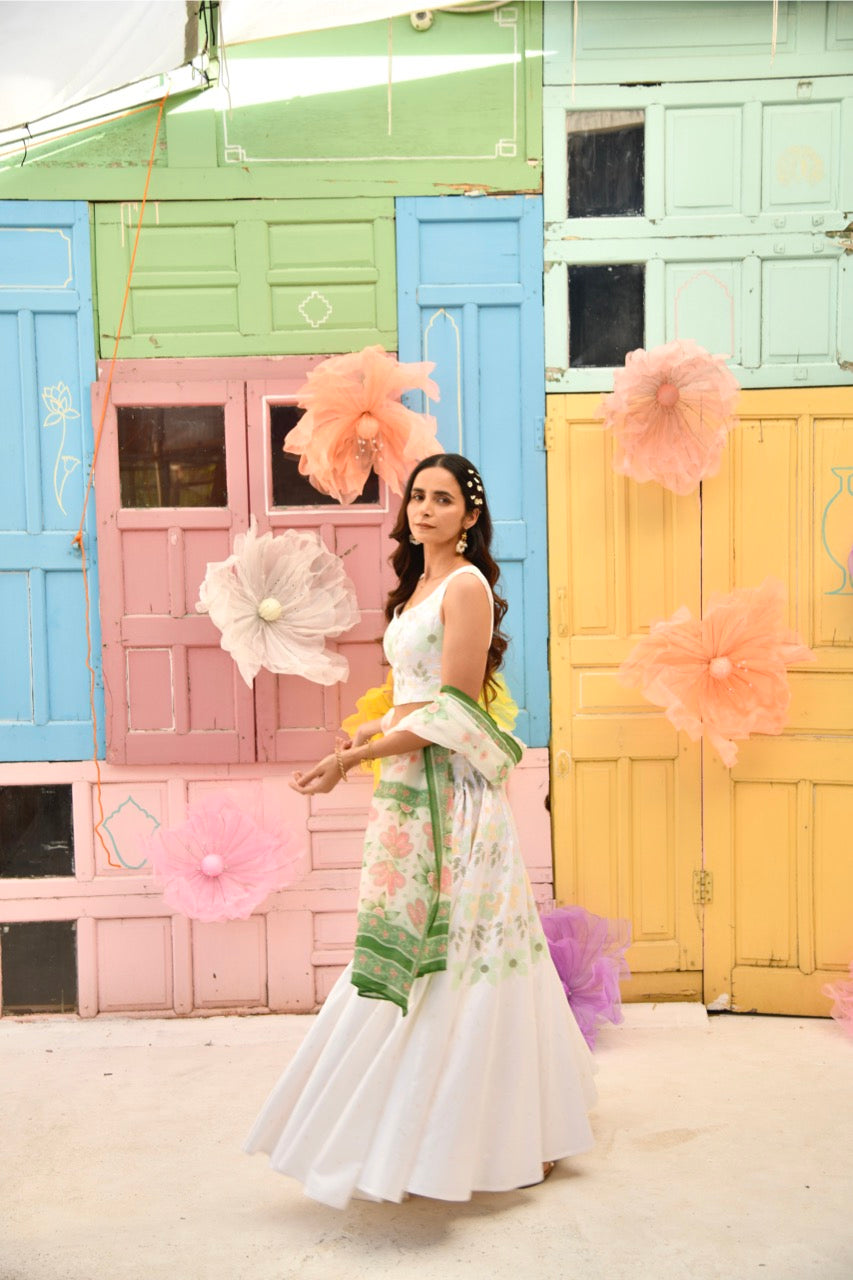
(746, 192)
(173, 695)
(634, 804)
(776, 824)
(297, 719)
(248, 277)
(470, 300)
(46, 364)
(625, 798)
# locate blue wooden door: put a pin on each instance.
(469, 274)
(46, 368)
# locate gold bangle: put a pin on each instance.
(339, 756)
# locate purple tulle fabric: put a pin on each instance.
(589, 955)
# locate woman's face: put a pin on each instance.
(436, 509)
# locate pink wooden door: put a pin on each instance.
(171, 496)
(296, 719)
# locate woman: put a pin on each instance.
(446, 1059)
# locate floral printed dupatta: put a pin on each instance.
(405, 891)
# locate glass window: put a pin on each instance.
(36, 831)
(172, 456)
(606, 163)
(39, 962)
(606, 314)
(289, 488)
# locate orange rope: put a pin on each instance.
(78, 540)
(94, 124)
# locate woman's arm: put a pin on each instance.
(467, 617)
(326, 774)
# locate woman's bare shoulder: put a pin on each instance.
(468, 591)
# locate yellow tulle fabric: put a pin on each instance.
(373, 704)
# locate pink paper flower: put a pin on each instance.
(670, 411)
(220, 865)
(277, 600)
(724, 675)
(355, 421)
(841, 994)
(588, 952)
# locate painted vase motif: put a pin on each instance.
(837, 530)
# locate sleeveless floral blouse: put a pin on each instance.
(413, 643)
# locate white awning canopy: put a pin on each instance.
(58, 54)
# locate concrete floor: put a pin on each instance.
(725, 1151)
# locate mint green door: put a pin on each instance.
(735, 234)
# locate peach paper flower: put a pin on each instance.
(355, 422)
(670, 411)
(723, 675)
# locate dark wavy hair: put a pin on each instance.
(408, 560)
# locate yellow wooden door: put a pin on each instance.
(778, 824)
(638, 811)
(625, 789)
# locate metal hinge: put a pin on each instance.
(844, 239)
(703, 887)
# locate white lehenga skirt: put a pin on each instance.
(486, 1077)
(471, 1091)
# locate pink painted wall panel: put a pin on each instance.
(326, 977)
(285, 957)
(132, 813)
(146, 578)
(199, 547)
(334, 929)
(153, 560)
(230, 963)
(300, 703)
(134, 959)
(291, 983)
(149, 689)
(210, 676)
(332, 850)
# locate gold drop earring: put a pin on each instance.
(462, 544)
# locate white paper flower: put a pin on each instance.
(276, 601)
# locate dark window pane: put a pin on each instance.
(289, 488)
(172, 456)
(605, 314)
(606, 163)
(39, 964)
(36, 831)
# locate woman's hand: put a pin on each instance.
(324, 777)
(365, 732)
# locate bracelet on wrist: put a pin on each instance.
(339, 756)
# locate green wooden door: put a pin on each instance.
(254, 277)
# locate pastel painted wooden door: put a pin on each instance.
(777, 825)
(296, 718)
(171, 496)
(750, 863)
(729, 225)
(470, 299)
(46, 365)
(625, 786)
(247, 277)
(188, 457)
